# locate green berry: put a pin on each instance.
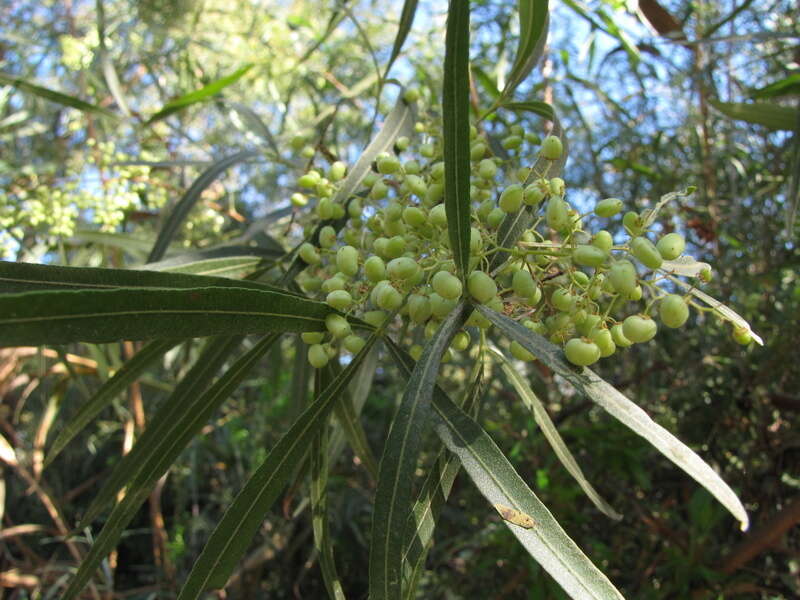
(395, 246)
(604, 340)
(557, 186)
(337, 325)
(563, 300)
(413, 216)
(419, 308)
(534, 194)
(557, 213)
(495, 217)
(415, 351)
(582, 352)
(460, 341)
(441, 307)
(309, 254)
(608, 207)
(387, 164)
(477, 151)
(741, 335)
(337, 171)
(312, 337)
(588, 324)
(511, 142)
(375, 269)
(603, 240)
(317, 356)
(353, 344)
(389, 298)
(416, 184)
(327, 236)
(552, 148)
(309, 180)
(402, 268)
(447, 285)
(588, 256)
(673, 311)
(645, 251)
(511, 198)
(636, 294)
(633, 223)
(521, 353)
(523, 284)
(622, 277)
(671, 246)
(339, 299)
(347, 260)
(618, 335)
(481, 286)
(379, 190)
(411, 95)
(375, 318)
(298, 199)
(639, 328)
(475, 240)
(438, 215)
(333, 284)
(487, 168)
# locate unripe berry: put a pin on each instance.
(312, 337)
(419, 308)
(387, 164)
(487, 168)
(588, 256)
(337, 325)
(639, 328)
(437, 171)
(347, 260)
(563, 300)
(645, 251)
(309, 180)
(375, 269)
(552, 148)
(481, 286)
(511, 198)
(557, 213)
(353, 344)
(582, 352)
(389, 298)
(511, 142)
(438, 215)
(427, 150)
(557, 186)
(434, 194)
(379, 190)
(441, 307)
(327, 236)
(339, 299)
(523, 284)
(633, 223)
(622, 277)
(460, 341)
(534, 194)
(495, 218)
(393, 228)
(475, 240)
(393, 211)
(477, 151)
(586, 326)
(395, 246)
(742, 336)
(401, 143)
(608, 207)
(402, 268)
(317, 356)
(309, 254)
(522, 174)
(604, 340)
(298, 199)
(411, 95)
(375, 317)
(673, 311)
(603, 240)
(520, 353)
(325, 209)
(416, 185)
(618, 335)
(413, 216)
(337, 171)
(636, 294)
(446, 285)
(415, 351)
(476, 319)
(671, 246)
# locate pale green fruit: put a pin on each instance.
(557, 186)
(563, 300)
(495, 218)
(312, 337)
(317, 356)
(671, 246)
(639, 328)
(535, 193)
(339, 299)
(742, 336)
(298, 199)
(477, 151)
(552, 148)
(512, 142)
(604, 340)
(523, 284)
(333, 284)
(402, 268)
(416, 184)
(412, 167)
(441, 307)
(633, 223)
(347, 260)
(411, 95)
(588, 256)
(673, 311)
(415, 351)
(608, 207)
(511, 198)
(387, 164)
(437, 171)
(460, 341)
(481, 286)
(645, 251)
(618, 335)
(353, 344)
(375, 269)
(327, 236)
(309, 180)
(438, 215)
(447, 285)
(587, 325)
(487, 168)
(309, 254)
(337, 171)
(520, 353)
(557, 213)
(475, 240)
(388, 298)
(395, 246)
(603, 240)
(582, 352)
(413, 216)
(393, 211)
(622, 277)
(419, 308)
(337, 325)
(375, 317)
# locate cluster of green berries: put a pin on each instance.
(559, 280)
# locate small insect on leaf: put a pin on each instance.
(514, 516)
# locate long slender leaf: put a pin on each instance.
(783, 87)
(230, 262)
(393, 499)
(138, 248)
(550, 432)
(406, 21)
(533, 21)
(190, 198)
(107, 392)
(319, 503)
(234, 532)
(768, 114)
(628, 413)
(455, 106)
(500, 484)
(204, 93)
(358, 390)
(62, 317)
(255, 125)
(173, 426)
(54, 96)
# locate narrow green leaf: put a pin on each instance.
(406, 21)
(627, 412)
(137, 248)
(516, 223)
(255, 125)
(128, 373)
(234, 532)
(230, 262)
(204, 93)
(499, 483)
(550, 432)
(54, 96)
(29, 277)
(788, 86)
(770, 115)
(455, 106)
(533, 25)
(319, 502)
(190, 198)
(358, 391)
(393, 498)
(175, 423)
(63, 317)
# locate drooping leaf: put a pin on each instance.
(455, 107)
(499, 483)
(393, 498)
(621, 408)
(550, 432)
(358, 390)
(533, 25)
(63, 317)
(54, 96)
(107, 392)
(190, 198)
(770, 115)
(200, 95)
(403, 27)
(649, 216)
(788, 86)
(354, 433)
(173, 426)
(230, 262)
(234, 532)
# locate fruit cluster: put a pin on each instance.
(559, 280)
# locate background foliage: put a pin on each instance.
(646, 93)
